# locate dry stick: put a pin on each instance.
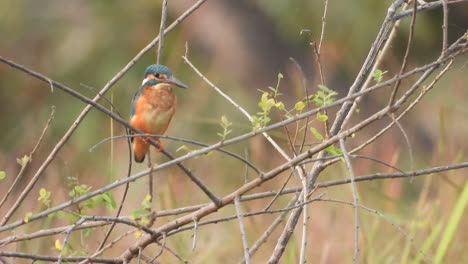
(150, 179)
(36, 257)
(232, 154)
(407, 52)
(195, 230)
(24, 166)
(280, 190)
(407, 139)
(444, 27)
(324, 22)
(85, 111)
(242, 230)
(161, 29)
(425, 7)
(355, 199)
(67, 237)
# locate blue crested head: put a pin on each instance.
(158, 73)
(157, 69)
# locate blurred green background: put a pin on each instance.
(241, 46)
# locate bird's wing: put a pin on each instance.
(132, 106)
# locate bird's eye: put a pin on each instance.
(157, 75)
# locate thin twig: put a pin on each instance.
(36, 257)
(67, 237)
(161, 31)
(407, 52)
(232, 154)
(195, 230)
(242, 230)
(324, 22)
(444, 27)
(355, 200)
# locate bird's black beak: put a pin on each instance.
(174, 81)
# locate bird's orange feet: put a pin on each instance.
(160, 148)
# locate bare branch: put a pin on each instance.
(349, 167)
(161, 31)
(242, 230)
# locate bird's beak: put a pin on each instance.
(174, 81)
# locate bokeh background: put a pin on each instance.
(241, 46)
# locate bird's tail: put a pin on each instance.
(140, 148)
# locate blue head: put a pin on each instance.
(158, 73)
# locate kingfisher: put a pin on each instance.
(152, 108)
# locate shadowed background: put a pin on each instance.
(241, 46)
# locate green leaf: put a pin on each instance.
(332, 150)
(324, 88)
(280, 106)
(299, 105)
(2, 175)
(316, 134)
(44, 197)
(280, 75)
(321, 117)
(23, 161)
(110, 200)
(27, 216)
(378, 75)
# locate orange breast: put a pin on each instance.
(154, 109)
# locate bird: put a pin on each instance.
(153, 107)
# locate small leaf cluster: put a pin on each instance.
(377, 75)
(226, 126)
(44, 197)
(105, 199)
(324, 96)
(267, 103)
(142, 214)
(332, 150)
